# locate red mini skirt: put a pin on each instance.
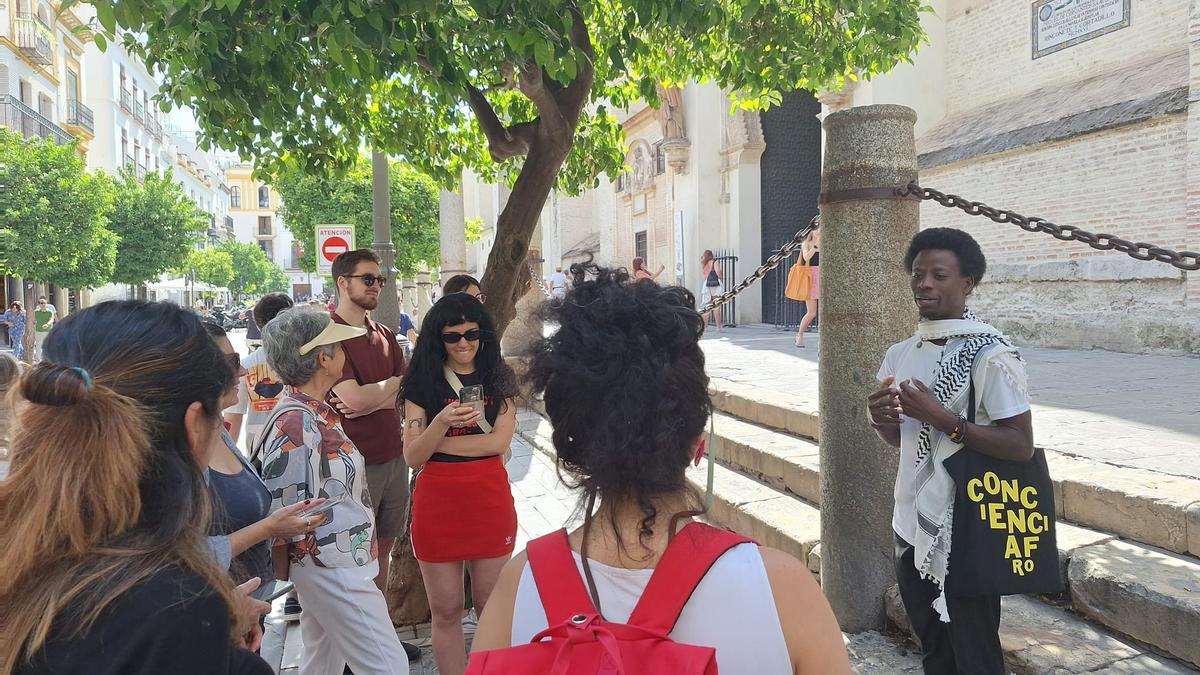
(463, 511)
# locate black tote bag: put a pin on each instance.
(1004, 538)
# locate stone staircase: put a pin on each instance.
(1128, 539)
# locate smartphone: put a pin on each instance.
(472, 397)
(324, 508)
(271, 590)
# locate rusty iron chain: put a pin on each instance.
(1184, 260)
(771, 263)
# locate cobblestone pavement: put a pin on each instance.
(1125, 409)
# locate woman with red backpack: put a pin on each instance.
(641, 586)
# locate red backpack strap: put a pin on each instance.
(557, 578)
(691, 554)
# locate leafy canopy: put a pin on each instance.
(475, 83)
(311, 200)
(157, 223)
(211, 266)
(52, 214)
(253, 272)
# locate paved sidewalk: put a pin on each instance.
(1125, 409)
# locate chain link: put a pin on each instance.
(1184, 260)
(771, 263)
(537, 280)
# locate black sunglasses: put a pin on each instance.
(472, 335)
(368, 279)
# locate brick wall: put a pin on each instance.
(989, 48)
(1130, 181)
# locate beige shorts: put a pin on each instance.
(388, 485)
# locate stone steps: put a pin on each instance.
(766, 480)
(1135, 504)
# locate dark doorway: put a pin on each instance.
(791, 182)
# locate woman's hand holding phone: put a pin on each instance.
(290, 521)
(247, 610)
(458, 415)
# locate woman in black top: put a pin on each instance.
(462, 505)
(113, 573)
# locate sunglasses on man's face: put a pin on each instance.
(368, 279)
(472, 335)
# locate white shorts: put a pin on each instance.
(707, 293)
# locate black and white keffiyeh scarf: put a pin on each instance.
(971, 346)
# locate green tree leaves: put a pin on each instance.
(211, 266)
(53, 226)
(253, 272)
(311, 200)
(157, 224)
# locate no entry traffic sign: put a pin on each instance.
(332, 241)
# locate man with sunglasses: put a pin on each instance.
(366, 395)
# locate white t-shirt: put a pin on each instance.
(558, 281)
(731, 610)
(1000, 399)
(258, 392)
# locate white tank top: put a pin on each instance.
(732, 610)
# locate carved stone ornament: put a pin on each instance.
(670, 112)
(678, 152)
(840, 99)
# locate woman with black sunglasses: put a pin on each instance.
(460, 414)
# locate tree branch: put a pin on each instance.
(575, 96)
(503, 142)
(552, 121)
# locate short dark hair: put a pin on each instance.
(269, 305)
(214, 330)
(346, 262)
(459, 283)
(971, 262)
(624, 386)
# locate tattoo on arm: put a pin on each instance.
(416, 424)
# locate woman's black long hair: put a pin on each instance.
(425, 369)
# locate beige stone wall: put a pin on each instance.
(1130, 181)
(989, 48)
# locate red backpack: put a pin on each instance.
(581, 642)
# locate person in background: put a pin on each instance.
(463, 513)
(16, 319)
(629, 449)
(258, 390)
(10, 372)
(44, 316)
(243, 523)
(958, 634)
(714, 282)
(810, 256)
(365, 396)
(640, 272)
(408, 326)
(463, 283)
(558, 284)
(309, 456)
(121, 415)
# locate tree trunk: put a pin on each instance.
(30, 297)
(507, 273)
(388, 311)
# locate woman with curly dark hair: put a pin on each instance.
(628, 449)
(460, 413)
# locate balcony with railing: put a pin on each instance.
(139, 111)
(34, 38)
(80, 117)
(141, 171)
(126, 101)
(25, 120)
(154, 126)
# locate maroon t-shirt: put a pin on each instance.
(374, 357)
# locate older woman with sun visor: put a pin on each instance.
(306, 455)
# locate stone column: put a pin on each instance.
(1192, 242)
(409, 296)
(424, 293)
(453, 233)
(865, 307)
(60, 301)
(388, 311)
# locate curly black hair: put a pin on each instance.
(425, 370)
(971, 262)
(624, 386)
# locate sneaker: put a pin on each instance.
(291, 608)
(413, 652)
(470, 621)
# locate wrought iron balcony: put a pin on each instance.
(35, 39)
(139, 111)
(80, 115)
(229, 223)
(154, 126)
(25, 120)
(126, 101)
(141, 172)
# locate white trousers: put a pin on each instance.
(345, 622)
